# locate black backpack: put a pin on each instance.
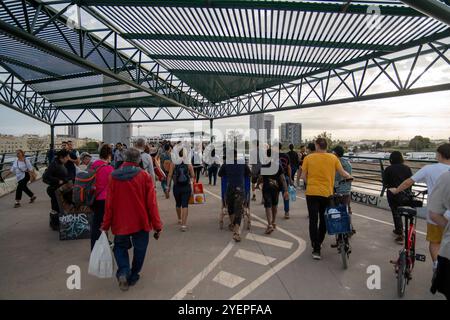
(181, 174)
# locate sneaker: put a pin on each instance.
(236, 237)
(316, 255)
(286, 215)
(123, 283)
(17, 205)
(32, 199)
(183, 228)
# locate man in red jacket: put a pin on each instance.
(131, 212)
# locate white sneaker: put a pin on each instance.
(183, 228)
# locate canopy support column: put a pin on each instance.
(211, 130)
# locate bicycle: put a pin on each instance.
(407, 256)
(338, 224)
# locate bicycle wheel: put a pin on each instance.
(401, 275)
(344, 256)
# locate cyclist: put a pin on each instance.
(344, 188)
(319, 170)
(430, 174)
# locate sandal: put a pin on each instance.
(269, 230)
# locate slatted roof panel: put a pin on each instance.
(261, 43)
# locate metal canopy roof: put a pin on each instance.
(180, 59)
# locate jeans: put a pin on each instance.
(316, 209)
(286, 202)
(122, 243)
(22, 187)
(99, 211)
(212, 172)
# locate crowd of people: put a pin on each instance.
(127, 178)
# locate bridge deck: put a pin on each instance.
(279, 266)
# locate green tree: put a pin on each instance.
(419, 143)
(388, 144)
(378, 146)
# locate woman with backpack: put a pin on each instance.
(103, 171)
(22, 168)
(183, 175)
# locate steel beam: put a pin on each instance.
(432, 8)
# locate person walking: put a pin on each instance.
(166, 160)
(118, 155)
(319, 170)
(146, 160)
(213, 167)
(131, 212)
(393, 176)
(197, 163)
(439, 209)
(294, 160)
(273, 183)
(236, 175)
(55, 176)
(103, 170)
(22, 168)
(182, 173)
(302, 157)
(429, 174)
(287, 172)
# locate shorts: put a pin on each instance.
(235, 201)
(434, 233)
(270, 197)
(182, 195)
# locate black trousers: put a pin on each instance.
(317, 225)
(198, 171)
(22, 187)
(393, 204)
(212, 172)
(99, 211)
(51, 193)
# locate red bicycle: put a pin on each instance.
(407, 256)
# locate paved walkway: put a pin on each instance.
(204, 263)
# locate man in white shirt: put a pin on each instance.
(146, 159)
(438, 205)
(430, 175)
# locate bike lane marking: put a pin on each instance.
(256, 283)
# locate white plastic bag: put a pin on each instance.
(101, 261)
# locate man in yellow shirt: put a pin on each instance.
(319, 170)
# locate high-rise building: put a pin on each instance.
(262, 121)
(291, 133)
(73, 131)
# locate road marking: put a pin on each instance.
(377, 220)
(267, 240)
(228, 279)
(258, 224)
(267, 275)
(254, 257)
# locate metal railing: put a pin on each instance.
(368, 173)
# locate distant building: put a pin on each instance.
(291, 133)
(73, 131)
(262, 121)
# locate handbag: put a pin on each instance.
(33, 175)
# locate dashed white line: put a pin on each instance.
(270, 241)
(228, 279)
(254, 257)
